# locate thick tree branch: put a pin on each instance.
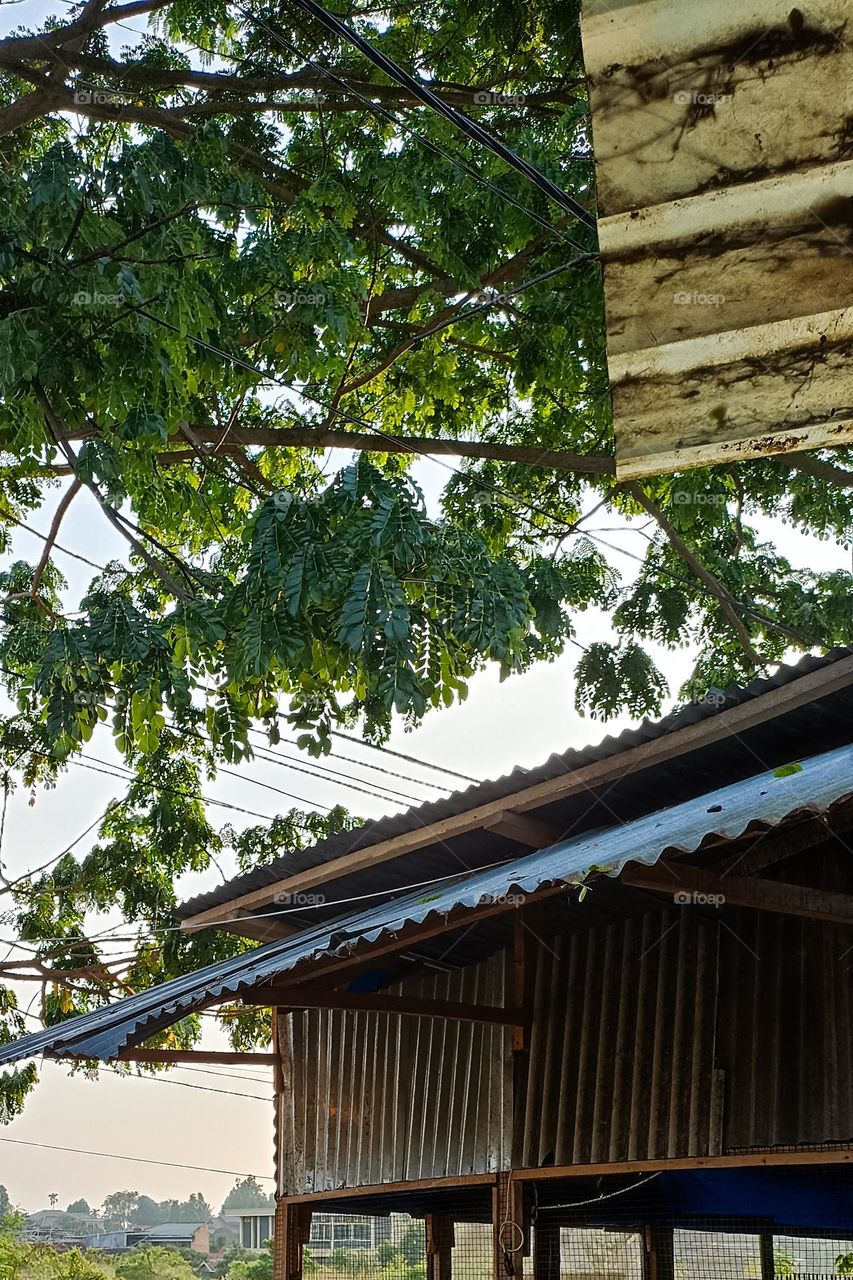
(825, 471)
(726, 599)
(332, 438)
(53, 533)
(57, 431)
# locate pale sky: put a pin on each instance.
(500, 726)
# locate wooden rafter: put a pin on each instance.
(289, 997)
(683, 883)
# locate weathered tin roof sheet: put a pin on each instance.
(556, 765)
(725, 181)
(764, 800)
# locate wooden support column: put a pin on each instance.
(292, 1229)
(659, 1261)
(499, 1192)
(546, 1250)
(524, 975)
(768, 1263)
(440, 1239)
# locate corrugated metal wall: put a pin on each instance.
(687, 1032)
(785, 1032)
(623, 1069)
(372, 1098)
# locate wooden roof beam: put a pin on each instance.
(702, 733)
(692, 886)
(172, 1057)
(286, 998)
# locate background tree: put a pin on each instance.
(247, 1193)
(229, 243)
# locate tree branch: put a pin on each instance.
(57, 432)
(825, 471)
(53, 534)
(727, 601)
(595, 464)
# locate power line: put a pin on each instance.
(112, 1155)
(268, 753)
(401, 755)
(471, 128)
(223, 804)
(378, 108)
(185, 1084)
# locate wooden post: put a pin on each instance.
(440, 1239)
(768, 1262)
(546, 1250)
(661, 1254)
(499, 1192)
(292, 1229)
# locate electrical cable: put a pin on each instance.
(112, 1155)
(471, 128)
(378, 108)
(349, 737)
(185, 1084)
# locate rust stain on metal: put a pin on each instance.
(724, 165)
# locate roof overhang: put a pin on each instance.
(716, 719)
(814, 786)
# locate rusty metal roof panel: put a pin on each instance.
(812, 785)
(332, 847)
(724, 168)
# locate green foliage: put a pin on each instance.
(152, 1263)
(247, 1193)
(187, 272)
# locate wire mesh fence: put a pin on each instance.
(393, 1247)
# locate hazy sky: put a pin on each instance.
(500, 726)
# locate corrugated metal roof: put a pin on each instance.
(715, 701)
(815, 785)
(721, 134)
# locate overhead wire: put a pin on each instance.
(113, 1155)
(379, 109)
(471, 128)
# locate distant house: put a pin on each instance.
(176, 1235)
(256, 1226)
(329, 1231)
(55, 1226)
